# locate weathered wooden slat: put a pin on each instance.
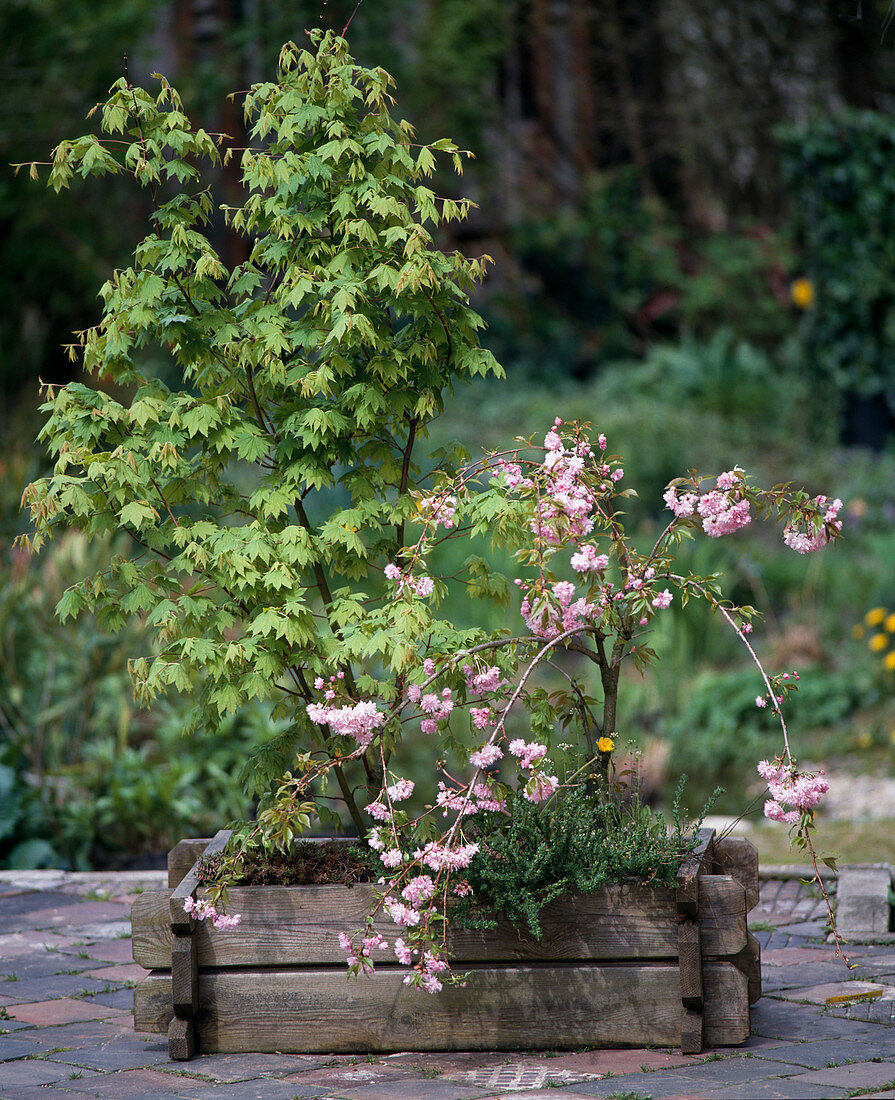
(184, 976)
(507, 1008)
(692, 1030)
(182, 857)
(153, 1007)
(749, 962)
(738, 857)
(181, 1039)
(299, 926)
(181, 921)
(696, 864)
(690, 962)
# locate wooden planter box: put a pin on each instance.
(631, 965)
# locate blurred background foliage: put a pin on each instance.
(691, 208)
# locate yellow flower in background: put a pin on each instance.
(892, 736)
(802, 293)
(875, 616)
(605, 744)
(864, 740)
(889, 661)
(890, 624)
(878, 642)
(857, 632)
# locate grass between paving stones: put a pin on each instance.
(865, 1092)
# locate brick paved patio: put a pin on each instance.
(66, 1028)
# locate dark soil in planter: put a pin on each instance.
(312, 864)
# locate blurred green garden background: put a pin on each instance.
(691, 208)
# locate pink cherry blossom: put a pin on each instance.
(401, 790)
(403, 953)
(587, 560)
(540, 787)
(418, 890)
(485, 756)
(358, 721)
(527, 752)
(400, 913)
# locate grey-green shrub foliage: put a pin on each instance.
(315, 364)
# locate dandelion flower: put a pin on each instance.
(802, 293)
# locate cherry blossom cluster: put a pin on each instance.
(809, 534)
(359, 721)
(723, 509)
(440, 510)
(549, 613)
(789, 787)
(422, 586)
(437, 707)
(359, 959)
(200, 909)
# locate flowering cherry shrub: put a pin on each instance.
(558, 507)
(287, 522)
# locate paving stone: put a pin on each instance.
(61, 1011)
(776, 1088)
(793, 977)
(881, 1011)
(13, 1025)
(656, 1085)
(736, 1070)
(38, 964)
(103, 930)
(619, 1062)
(809, 929)
(124, 972)
(820, 1054)
(819, 994)
(17, 1047)
(122, 999)
(565, 1094)
(780, 1020)
(48, 988)
(267, 1088)
(133, 1084)
(25, 903)
(859, 1075)
(863, 903)
(348, 1076)
(790, 956)
(29, 1072)
(85, 1032)
(116, 1055)
(407, 1090)
(240, 1067)
(41, 1092)
(120, 951)
(72, 914)
(18, 943)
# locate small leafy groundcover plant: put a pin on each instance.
(288, 525)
